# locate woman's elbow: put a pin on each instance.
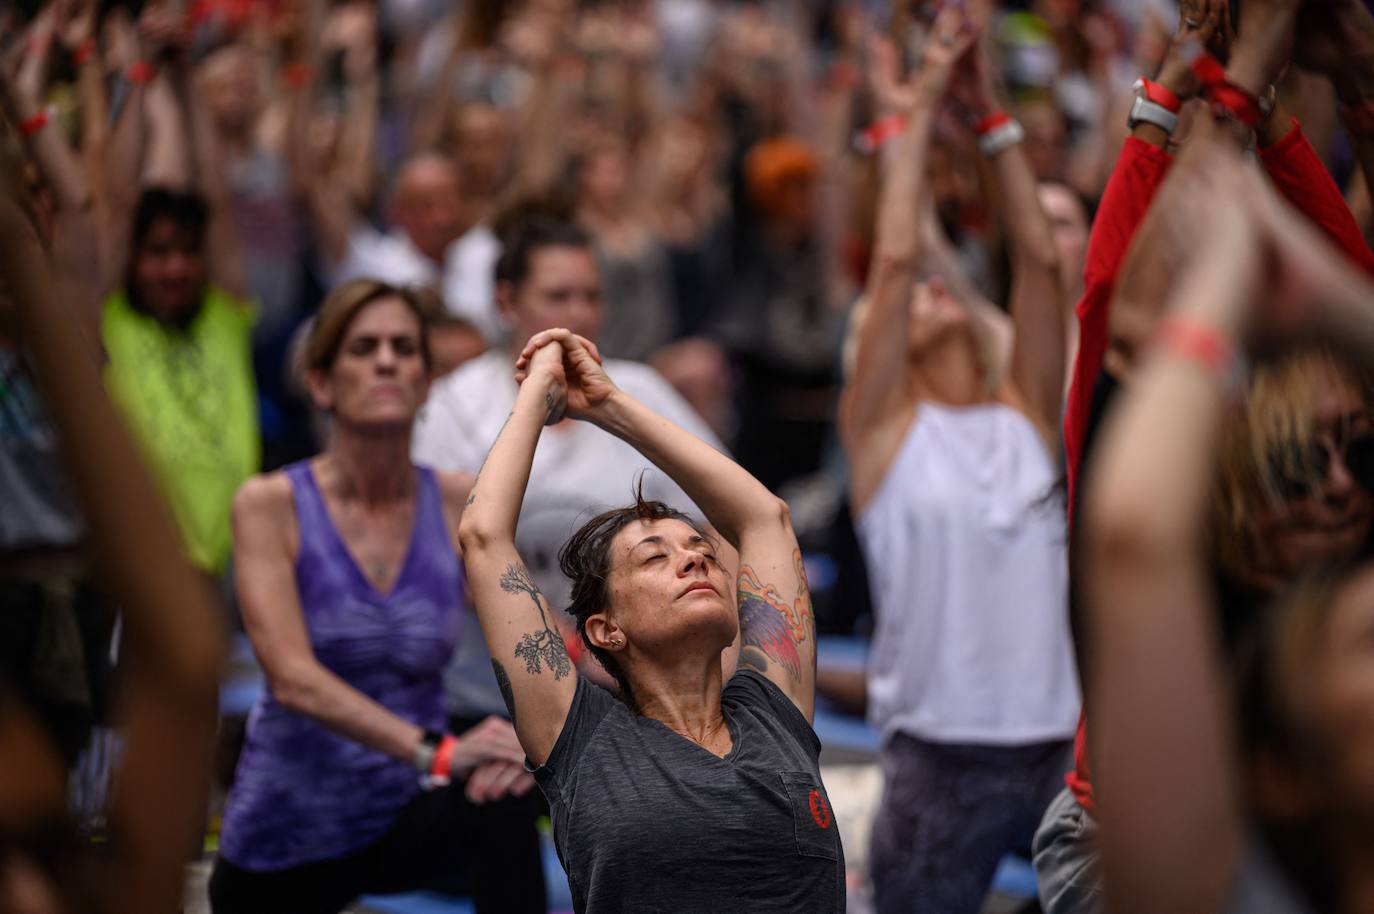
(774, 511)
(476, 536)
(294, 687)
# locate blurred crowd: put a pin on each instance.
(720, 156)
(710, 192)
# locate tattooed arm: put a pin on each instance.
(531, 663)
(777, 636)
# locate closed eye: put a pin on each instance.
(654, 558)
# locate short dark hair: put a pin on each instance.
(586, 560)
(186, 209)
(530, 228)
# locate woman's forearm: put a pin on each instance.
(898, 229)
(493, 506)
(314, 691)
(731, 498)
(1158, 693)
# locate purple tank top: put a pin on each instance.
(303, 792)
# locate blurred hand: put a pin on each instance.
(1206, 22)
(493, 741)
(951, 37)
(497, 780)
(75, 22)
(162, 30)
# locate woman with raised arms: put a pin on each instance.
(685, 792)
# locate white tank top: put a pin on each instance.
(967, 558)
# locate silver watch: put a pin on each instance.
(1144, 110)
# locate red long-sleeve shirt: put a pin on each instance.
(1297, 173)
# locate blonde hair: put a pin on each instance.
(1264, 442)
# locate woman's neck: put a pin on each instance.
(685, 698)
(371, 468)
(948, 373)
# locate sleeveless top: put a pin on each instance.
(966, 550)
(303, 792)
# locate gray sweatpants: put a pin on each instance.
(949, 814)
(1066, 859)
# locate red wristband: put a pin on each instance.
(295, 75)
(1234, 102)
(140, 73)
(443, 759)
(1198, 342)
(83, 52)
(991, 122)
(1162, 96)
(1228, 99)
(877, 134)
(36, 123)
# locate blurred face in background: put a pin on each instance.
(605, 176)
(232, 87)
(562, 289)
(169, 271)
(953, 186)
(427, 206)
(1046, 143)
(682, 151)
(936, 318)
(1069, 222)
(1327, 513)
(482, 146)
(1342, 698)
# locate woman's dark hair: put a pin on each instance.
(586, 560)
(187, 210)
(530, 227)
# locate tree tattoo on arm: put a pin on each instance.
(771, 629)
(537, 648)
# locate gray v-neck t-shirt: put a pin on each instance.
(647, 821)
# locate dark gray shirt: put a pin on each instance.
(647, 821)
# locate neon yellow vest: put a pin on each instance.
(189, 396)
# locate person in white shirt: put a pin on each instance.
(546, 277)
(433, 243)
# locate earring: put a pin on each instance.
(616, 642)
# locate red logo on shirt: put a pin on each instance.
(820, 812)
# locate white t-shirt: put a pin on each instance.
(467, 283)
(967, 558)
(578, 471)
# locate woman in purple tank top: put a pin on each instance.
(351, 589)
